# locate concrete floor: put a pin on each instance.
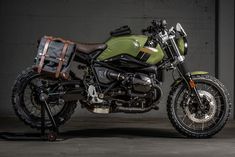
(112, 137)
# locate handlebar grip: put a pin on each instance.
(148, 29)
(144, 30)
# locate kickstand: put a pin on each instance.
(52, 135)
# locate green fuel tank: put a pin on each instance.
(132, 45)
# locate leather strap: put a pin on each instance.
(59, 39)
(62, 55)
(44, 55)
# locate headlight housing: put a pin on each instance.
(182, 44)
(181, 40)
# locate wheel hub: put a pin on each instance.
(37, 93)
(204, 112)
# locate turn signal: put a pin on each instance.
(192, 84)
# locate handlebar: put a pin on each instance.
(149, 29)
(160, 23)
(156, 26)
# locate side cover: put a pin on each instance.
(132, 45)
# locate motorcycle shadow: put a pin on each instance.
(122, 133)
(95, 133)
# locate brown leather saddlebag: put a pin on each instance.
(54, 56)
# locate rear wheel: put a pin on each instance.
(194, 121)
(26, 101)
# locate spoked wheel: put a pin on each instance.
(27, 104)
(199, 121)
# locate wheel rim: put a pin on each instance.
(31, 105)
(189, 117)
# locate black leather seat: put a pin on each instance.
(90, 47)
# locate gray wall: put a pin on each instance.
(23, 22)
(226, 45)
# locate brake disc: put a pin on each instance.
(201, 115)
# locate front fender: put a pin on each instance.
(199, 73)
(179, 80)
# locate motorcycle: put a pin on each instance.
(124, 74)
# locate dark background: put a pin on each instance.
(208, 23)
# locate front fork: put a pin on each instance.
(185, 74)
(189, 81)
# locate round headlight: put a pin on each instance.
(182, 44)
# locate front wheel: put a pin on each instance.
(199, 122)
